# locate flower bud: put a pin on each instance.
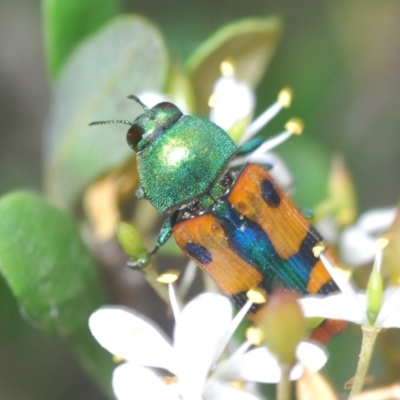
(130, 240)
(283, 325)
(341, 191)
(375, 290)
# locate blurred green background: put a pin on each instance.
(342, 58)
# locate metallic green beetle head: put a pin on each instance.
(149, 126)
(180, 157)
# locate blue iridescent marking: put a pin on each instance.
(247, 239)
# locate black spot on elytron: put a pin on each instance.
(329, 288)
(199, 253)
(269, 193)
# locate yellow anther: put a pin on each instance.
(169, 276)
(254, 335)
(170, 380)
(285, 97)
(118, 358)
(239, 385)
(318, 249)
(212, 100)
(295, 126)
(382, 242)
(345, 274)
(227, 68)
(257, 295)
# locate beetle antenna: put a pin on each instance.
(114, 121)
(133, 97)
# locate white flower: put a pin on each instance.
(232, 107)
(358, 242)
(202, 330)
(232, 101)
(353, 306)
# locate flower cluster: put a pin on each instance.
(198, 364)
(193, 367)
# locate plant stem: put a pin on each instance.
(370, 333)
(283, 389)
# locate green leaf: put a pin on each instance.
(66, 23)
(51, 273)
(249, 43)
(127, 57)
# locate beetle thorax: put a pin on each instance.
(184, 162)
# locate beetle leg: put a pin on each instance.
(248, 147)
(164, 235)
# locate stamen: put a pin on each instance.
(243, 348)
(169, 276)
(254, 335)
(261, 121)
(223, 341)
(284, 100)
(318, 249)
(336, 274)
(257, 296)
(258, 154)
(212, 101)
(285, 97)
(187, 279)
(118, 358)
(270, 144)
(378, 260)
(295, 126)
(170, 380)
(382, 242)
(227, 68)
(174, 302)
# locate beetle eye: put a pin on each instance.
(134, 136)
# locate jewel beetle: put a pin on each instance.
(235, 223)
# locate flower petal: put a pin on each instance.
(392, 320)
(227, 335)
(234, 100)
(389, 315)
(356, 246)
(131, 336)
(375, 222)
(257, 365)
(358, 242)
(131, 381)
(218, 391)
(313, 356)
(338, 306)
(201, 324)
